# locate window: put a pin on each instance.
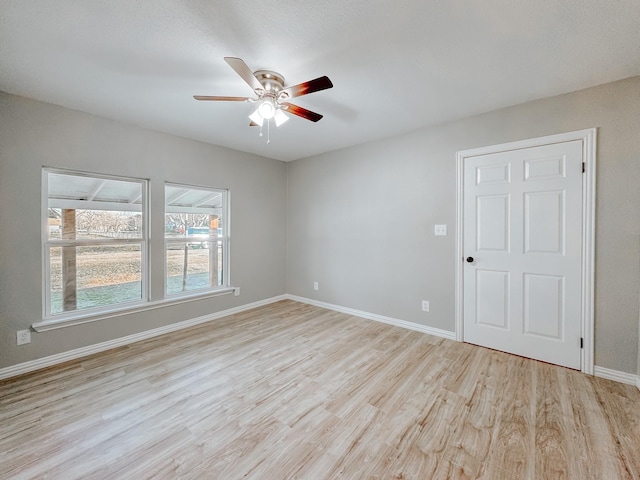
(196, 239)
(95, 242)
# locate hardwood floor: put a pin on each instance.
(294, 391)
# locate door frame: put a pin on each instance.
(588, 138)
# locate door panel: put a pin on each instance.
(492, 298)
(544, 222)
(492, 174)
(545, 168)
(493, 222)
(523, 227)
(543, 305)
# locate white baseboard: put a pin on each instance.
(378, 318)
(617, 376)
(51, 360)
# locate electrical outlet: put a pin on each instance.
(236, 292)
(425, 305)
(23, 336)
(440, 230)
(315, 286)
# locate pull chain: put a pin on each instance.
(268, 131)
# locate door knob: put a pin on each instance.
(469, 259)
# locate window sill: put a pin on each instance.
(69, 321)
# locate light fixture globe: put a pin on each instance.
(280, 117)
(257, 118)
(267, 109)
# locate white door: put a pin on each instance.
(522, 245)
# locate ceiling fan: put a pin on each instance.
(271, 94)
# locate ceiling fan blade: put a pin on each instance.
(320, 83)
(301, 112)
(221, 99)
(245, 72)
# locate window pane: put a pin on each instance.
(95, 276)
(94, 224)
(195, 238)
(190, 267)
(83, 207)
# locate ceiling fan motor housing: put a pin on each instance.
(272, 82)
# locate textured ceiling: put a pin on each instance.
(396, 66)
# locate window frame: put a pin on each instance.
(47, 243)
(224, 240)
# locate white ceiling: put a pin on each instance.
(396, 65)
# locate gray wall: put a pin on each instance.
(360, 220)
(34, 134)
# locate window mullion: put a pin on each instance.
(93, 242)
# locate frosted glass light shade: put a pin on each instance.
(280, 117)
(256, 117)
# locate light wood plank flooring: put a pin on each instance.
(294, 391)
